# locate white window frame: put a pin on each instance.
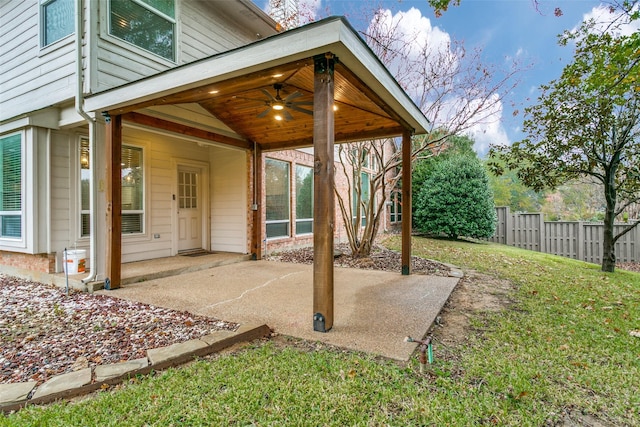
(77, 159)
(43, 25)
(105, 32)
(21, 242)
(145, 188)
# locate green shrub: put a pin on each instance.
(456, 200)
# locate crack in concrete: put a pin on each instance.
(267, 283)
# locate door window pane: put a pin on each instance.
(277, 195)
(187, 190)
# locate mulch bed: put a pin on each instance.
(44, 332)
(381, 259)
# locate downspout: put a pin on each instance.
(92, 143)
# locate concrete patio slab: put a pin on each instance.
(374, 311)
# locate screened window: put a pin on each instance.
(277, 195)
(11, 186)
(85, 182)
(149, 24)
(57, 20)
(304, 200)
(132, 190)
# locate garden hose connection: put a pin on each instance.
(426, 351)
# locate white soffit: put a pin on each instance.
(332, 35)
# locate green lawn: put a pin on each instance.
(563, 346)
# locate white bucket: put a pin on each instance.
(76, 261)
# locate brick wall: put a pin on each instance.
(44, 263)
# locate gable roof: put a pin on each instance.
(370, 103)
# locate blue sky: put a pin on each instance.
(504, 29)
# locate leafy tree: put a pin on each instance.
(587, 123)
(575, 201)
(509, 191)
(453, 88)
(441, 6)
(456, 200)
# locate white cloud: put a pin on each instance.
(603, 15)
(408, 32)
(416, 38)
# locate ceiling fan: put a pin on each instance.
(282, 105)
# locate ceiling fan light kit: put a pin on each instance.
(282, 106)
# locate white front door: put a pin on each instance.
(189, 209)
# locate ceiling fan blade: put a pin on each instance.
(268, 95)
(294, 107)
(294, 95)
(301, 103)
(264, 113)
(287, 115)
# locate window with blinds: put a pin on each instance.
(85, 183)
(11, 186)
(132, 190)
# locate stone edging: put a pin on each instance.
(17, 395)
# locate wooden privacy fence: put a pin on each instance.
(572, 239)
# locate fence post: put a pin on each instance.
(580, 242)
(636, 244)
(542, 246)
(508, 227)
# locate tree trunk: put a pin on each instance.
(608, 243)
(611, 197)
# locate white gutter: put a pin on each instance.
(92, 144)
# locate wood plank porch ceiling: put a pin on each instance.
(359, 115)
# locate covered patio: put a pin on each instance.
(375, 310)
(331, 88)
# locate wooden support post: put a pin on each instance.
(256, 240)
(113, 142)
(406, 202)
(323, 194)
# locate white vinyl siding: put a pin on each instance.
(31, 78)
(201, 31)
